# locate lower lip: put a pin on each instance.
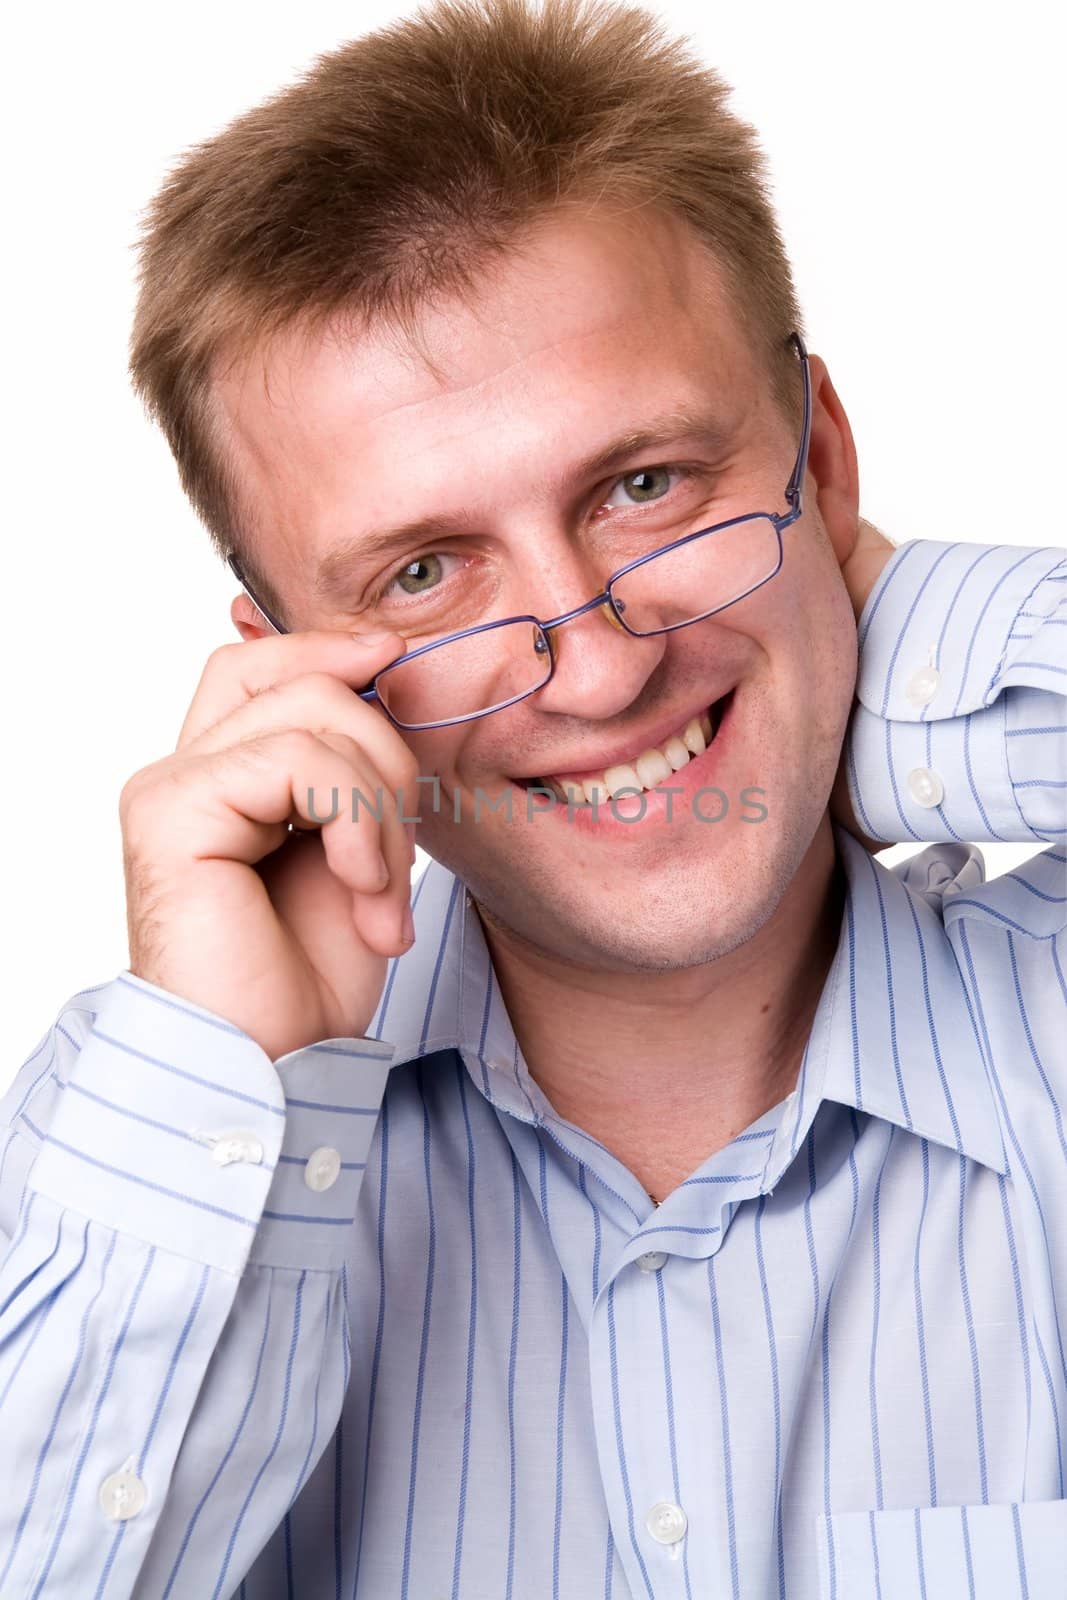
(660, 808)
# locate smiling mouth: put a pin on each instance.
(652, 767)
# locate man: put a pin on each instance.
(683, 1213)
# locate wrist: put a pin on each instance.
(863, 568)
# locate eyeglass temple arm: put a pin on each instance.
(796, 480)
(235, 567)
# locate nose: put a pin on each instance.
(599, 671)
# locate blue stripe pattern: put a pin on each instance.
(472, 1365)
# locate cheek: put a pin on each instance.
(431, 762)
(443, 758)
(812, 656)
(830, 649)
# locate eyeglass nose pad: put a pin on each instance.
(609, 612)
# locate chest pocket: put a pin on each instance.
(977, 1552)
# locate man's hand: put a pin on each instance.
(862, 566)
(285, 935)
(860, 571)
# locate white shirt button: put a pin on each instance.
(923, 685)
(925, 787)
(652, 1260)
(237, 1146)
(122, 1495)
(666, 1522)
(498, 1064)
(322, 1169)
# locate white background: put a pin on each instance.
(916, 152)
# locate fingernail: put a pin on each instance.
(383, 870)
(371, 638)
(409, 829)
(409, 926)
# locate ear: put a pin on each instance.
(248, 621)
(832, 462)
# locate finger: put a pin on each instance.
(236, 673)
(236, 805)
(321, 704)
(380, 919)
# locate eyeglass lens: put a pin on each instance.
(483, 671)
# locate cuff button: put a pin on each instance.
(237, 1146)
(925, 787)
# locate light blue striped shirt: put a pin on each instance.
(373, 1321)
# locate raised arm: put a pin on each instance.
(959, 730)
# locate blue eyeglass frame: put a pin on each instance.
(793, 494)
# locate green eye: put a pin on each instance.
(419, 575)
(651, 483)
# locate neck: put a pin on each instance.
(585, 1033)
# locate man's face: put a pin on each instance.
(594, 331)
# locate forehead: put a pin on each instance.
(590, 323)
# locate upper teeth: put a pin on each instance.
(649, 768)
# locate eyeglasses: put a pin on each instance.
(486, 668)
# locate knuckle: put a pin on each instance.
(221, 662)
(299, 747)
(345, 745)
(314, 699)
(319, 684)
(257, 750)
(137, 786)
(127, 794)
(294, 745)
(139, 802)
(328, 697)
(265, 748)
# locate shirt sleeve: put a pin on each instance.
(173, 1329)
(959, 730)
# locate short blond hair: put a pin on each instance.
(403, 163)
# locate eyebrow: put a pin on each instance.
(337, 570)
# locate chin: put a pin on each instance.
(684, 917)
(664, 910)
(680, 951)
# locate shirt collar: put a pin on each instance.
(895, 1033)
(894, 984)
(443, 994)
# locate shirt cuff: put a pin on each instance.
(927, 745)
(173, 1126)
